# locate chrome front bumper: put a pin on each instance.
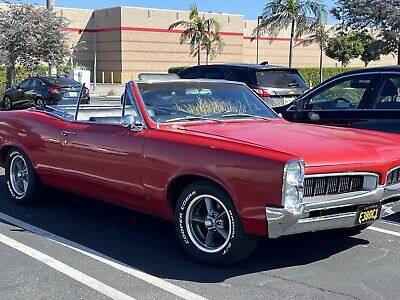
(325, 213)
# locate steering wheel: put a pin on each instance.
(337, 100)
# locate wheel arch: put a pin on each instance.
(6, 148)
(179, 183)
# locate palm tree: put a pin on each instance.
(319, 35)
(299, 15)
(195, 31)
(213, 43)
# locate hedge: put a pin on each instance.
(310, 75)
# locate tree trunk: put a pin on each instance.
(207, 55)
(198, 54)
(292, 31)
(321, 62)
(10, 75)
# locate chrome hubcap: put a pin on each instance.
(39, 102)
(19, 175)
(208, 223)
(7, 103)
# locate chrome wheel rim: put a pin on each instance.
(7, 103)
(208, 223)
(19, 175)
(40, 102)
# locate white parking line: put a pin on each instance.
(373, 228)
(153, 280)
(389, 223)
(65, 269)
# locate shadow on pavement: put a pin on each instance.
(149, 244)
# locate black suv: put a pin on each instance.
(276, 85)
(44, 90)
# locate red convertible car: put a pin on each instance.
(209, 155)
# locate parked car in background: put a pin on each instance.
(276, 85)
(366, 99)
(208, 155)
(43, 90)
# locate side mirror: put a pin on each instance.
(299, 103)
(131, 122)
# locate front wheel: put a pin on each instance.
(22, 182)
(209, 228)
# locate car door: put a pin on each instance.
(20, 97)
(342, 102)
(384, 113)
(104, 160)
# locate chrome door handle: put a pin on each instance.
(67, 133)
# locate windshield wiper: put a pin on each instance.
(192, 118)
(244, 115)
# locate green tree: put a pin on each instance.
(344, 47)
(213, 43)
(30, 35)
(299, 15)
(196, 31)
(320, 34)
(381, 16)
(373, 48)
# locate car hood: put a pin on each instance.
(317, 145)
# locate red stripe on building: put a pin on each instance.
(138, 29)
(164, 30)
(271, 39)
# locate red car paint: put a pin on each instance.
(137, 169)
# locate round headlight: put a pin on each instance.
(292, 197)
(294, 173)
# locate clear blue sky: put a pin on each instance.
(250, 8)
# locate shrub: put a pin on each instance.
(176, 70)
(311, 75)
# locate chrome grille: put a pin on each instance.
(330, 185)
(393, 176)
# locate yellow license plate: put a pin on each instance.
(368, 214)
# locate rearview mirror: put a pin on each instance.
(132, 123)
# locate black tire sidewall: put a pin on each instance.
(29, 196)
(228, 254)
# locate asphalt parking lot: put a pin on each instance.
(70, 247)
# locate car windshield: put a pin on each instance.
(168, 102)
(280, 79)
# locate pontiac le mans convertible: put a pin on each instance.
(209, 155)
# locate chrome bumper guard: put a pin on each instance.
(337, 211)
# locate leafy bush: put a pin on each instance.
(176, 70)
(310, 75)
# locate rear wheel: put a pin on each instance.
(7, 103)
(40, 102)
(22, 182)
(209, 228)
